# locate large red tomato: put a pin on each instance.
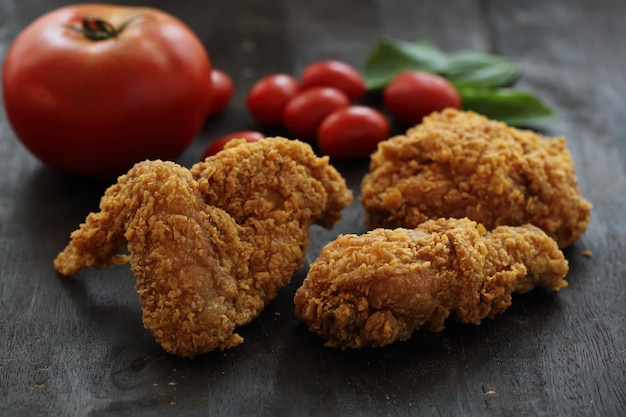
(92, 89)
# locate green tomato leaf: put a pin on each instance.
(478, 69)
(514, 107)
(391, 57)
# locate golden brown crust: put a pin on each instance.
(210, 246)
(377, 288)
(460, 164)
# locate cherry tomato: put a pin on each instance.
(268, 97)
(223, 89)
(218, 145)
(411, 95)
(352, 132)
(305, 112)
(91, 89)
(334, 74)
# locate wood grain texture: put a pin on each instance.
(77, 347)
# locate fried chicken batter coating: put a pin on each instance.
(461, 164)
(210, 246)
(377, 288)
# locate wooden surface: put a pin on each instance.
(76, 346)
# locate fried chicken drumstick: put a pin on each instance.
(210, 246)
(377, 288)
(461, 164)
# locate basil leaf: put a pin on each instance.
(514, 107)
(390, 57)
(478, 69)
(478, 76)
(472, 68)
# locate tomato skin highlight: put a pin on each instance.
(249, 135)
(304, 112)
(268, 97)
(335, 74)
(94, 108)
(411, 95)
(223, 90)
(352, 132)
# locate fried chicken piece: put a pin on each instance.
(460, 164)
(210, 246)
(377, 288)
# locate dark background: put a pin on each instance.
(76, 346)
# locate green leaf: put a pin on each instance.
(390, 57)
(471, 68)
(514, 107)
(478, 76)
(479, 69)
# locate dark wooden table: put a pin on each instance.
(76, 346)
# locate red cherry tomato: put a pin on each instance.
(91, 89)
(334, 74)
(268, 97)
(223, 89)
(218, 145)
(352, 132)
(411, 95)
(304, 112)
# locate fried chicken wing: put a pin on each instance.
(460, 164)
(210, 246)
(377, 288)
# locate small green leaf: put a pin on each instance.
(391, 57)
(472, 68)
(478, 69)
(514, 107)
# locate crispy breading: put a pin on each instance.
(379, 287)
(461, 164)
(210, 246)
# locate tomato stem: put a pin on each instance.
(99, 30)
